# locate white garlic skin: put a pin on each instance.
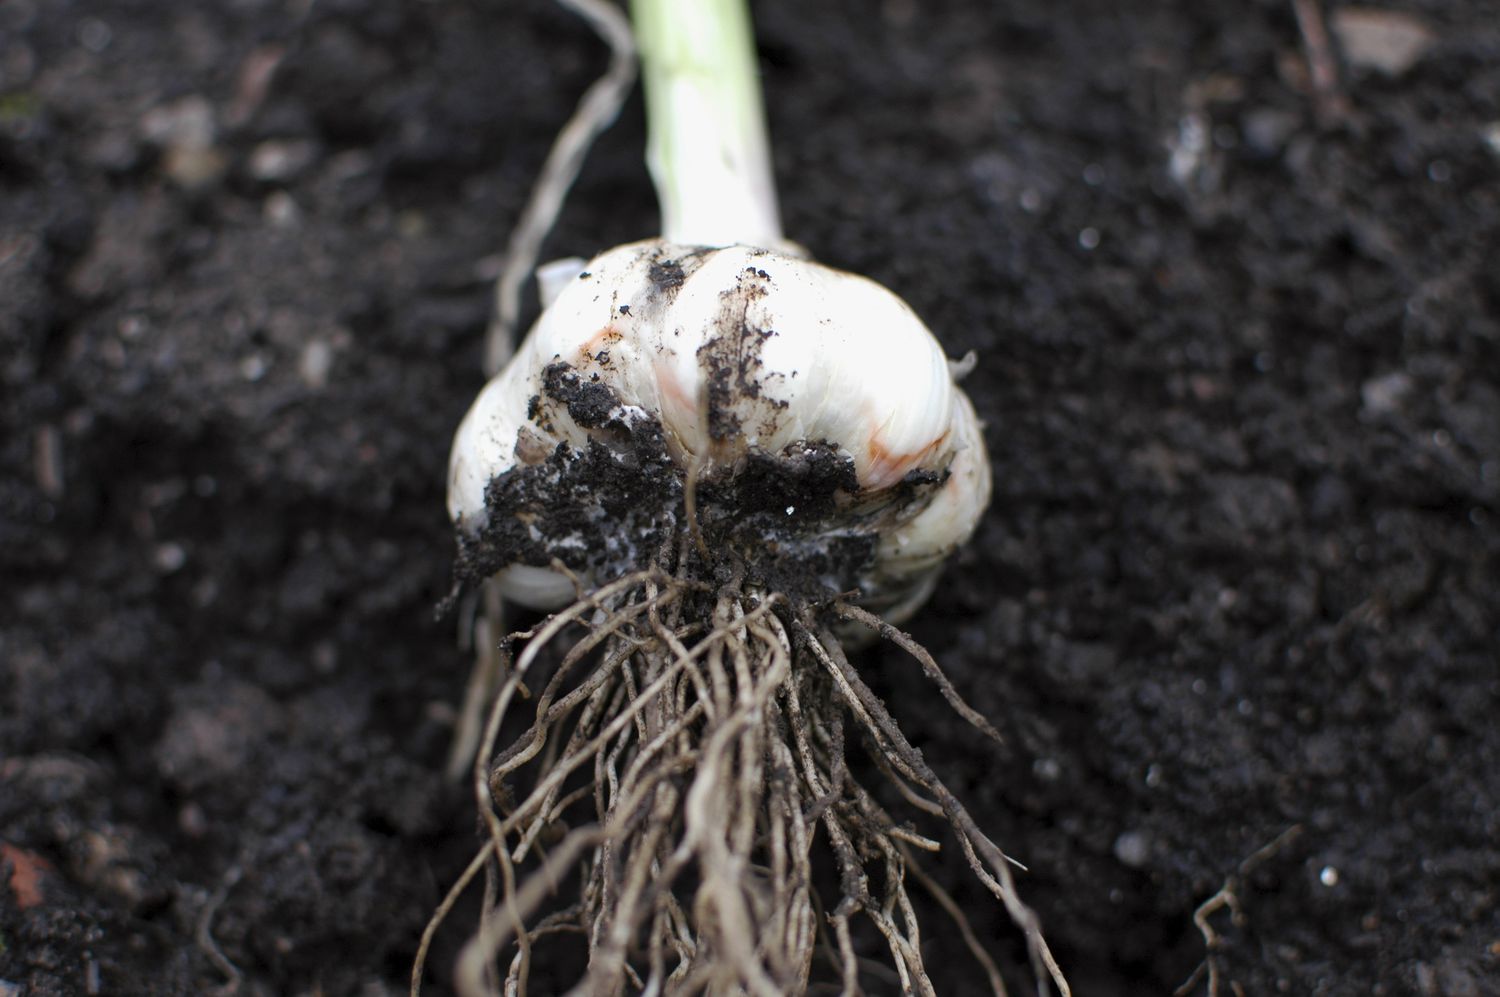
(803, 353)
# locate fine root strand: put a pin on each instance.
(596, 111)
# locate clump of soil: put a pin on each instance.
(1237, 360)
(616, 504)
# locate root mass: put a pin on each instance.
(683, 770)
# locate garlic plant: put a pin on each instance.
(718, 461)
(721, 339)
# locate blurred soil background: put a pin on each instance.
(1234, 606)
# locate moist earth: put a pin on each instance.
(1233, 607)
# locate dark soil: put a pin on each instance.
(1240, 368)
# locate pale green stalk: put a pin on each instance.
(707, 147)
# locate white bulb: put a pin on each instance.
(738, 363)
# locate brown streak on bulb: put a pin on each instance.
(598, 342)
(887, 468)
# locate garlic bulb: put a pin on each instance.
(827, 445)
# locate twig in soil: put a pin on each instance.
(204, 936)
(597, 110)
(48, 461)
(1228, 896)
(1329, 103)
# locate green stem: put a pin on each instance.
(707, 147)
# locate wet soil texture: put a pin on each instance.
(1239, 360)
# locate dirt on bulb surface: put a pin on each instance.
(1233, 608)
